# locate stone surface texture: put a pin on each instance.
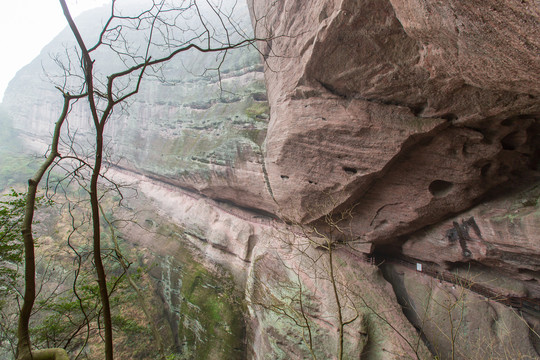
(284, 277)
(199, 134)
(460, 324)
(353, 86)
(404, 129)
(416, 121)
(501, 234)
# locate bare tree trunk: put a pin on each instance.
(98, 263)
(99, 124)
(23, 335)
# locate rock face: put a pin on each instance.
(192, 130)
(404, 132)
(288, 289)
(381, 71)
(489, 45)
(399, 116)
(457, 322)
(502, 234)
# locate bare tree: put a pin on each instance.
(167, 29)
(23, 334)
(314, 251)
(318, 253)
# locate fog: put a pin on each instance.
(27, 26)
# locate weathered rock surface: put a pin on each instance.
(490, 44)
(292, 298)
(286, 280)
(503, 234)
(407, 121)
(458, 323)
(401, 114)
(192, 130)
(328, 60)
(195, 253)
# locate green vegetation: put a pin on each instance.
(205, 303)
(257, 110)
(11, 249)
(180, 139)
(12, 206)
(64, 318)
(211, 321)
(16, 169)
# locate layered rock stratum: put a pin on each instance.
(404, 115)
(405, 132)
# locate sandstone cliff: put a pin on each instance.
(404, 114)
(380, 197)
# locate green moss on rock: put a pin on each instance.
(211, 322)
(258, 110)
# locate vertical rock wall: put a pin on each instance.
(405, 125)
(402, 115)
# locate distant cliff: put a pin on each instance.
(192, 130)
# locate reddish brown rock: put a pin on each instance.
(488, 44)
(502, 234)
(401, 114)
(460, 324)
(321, 150)
(328, 60)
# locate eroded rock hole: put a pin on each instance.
(508, 122)
(440, 188)
(425, 141)
(323, 15)
(449, 117)
(520, 118)
(418, 109)
(487, 134)
(350, 170)
(484, 170)
(513, 140)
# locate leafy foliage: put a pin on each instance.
(70, 320)
(12, 207)
(11, 249)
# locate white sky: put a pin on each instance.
(26, 26)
